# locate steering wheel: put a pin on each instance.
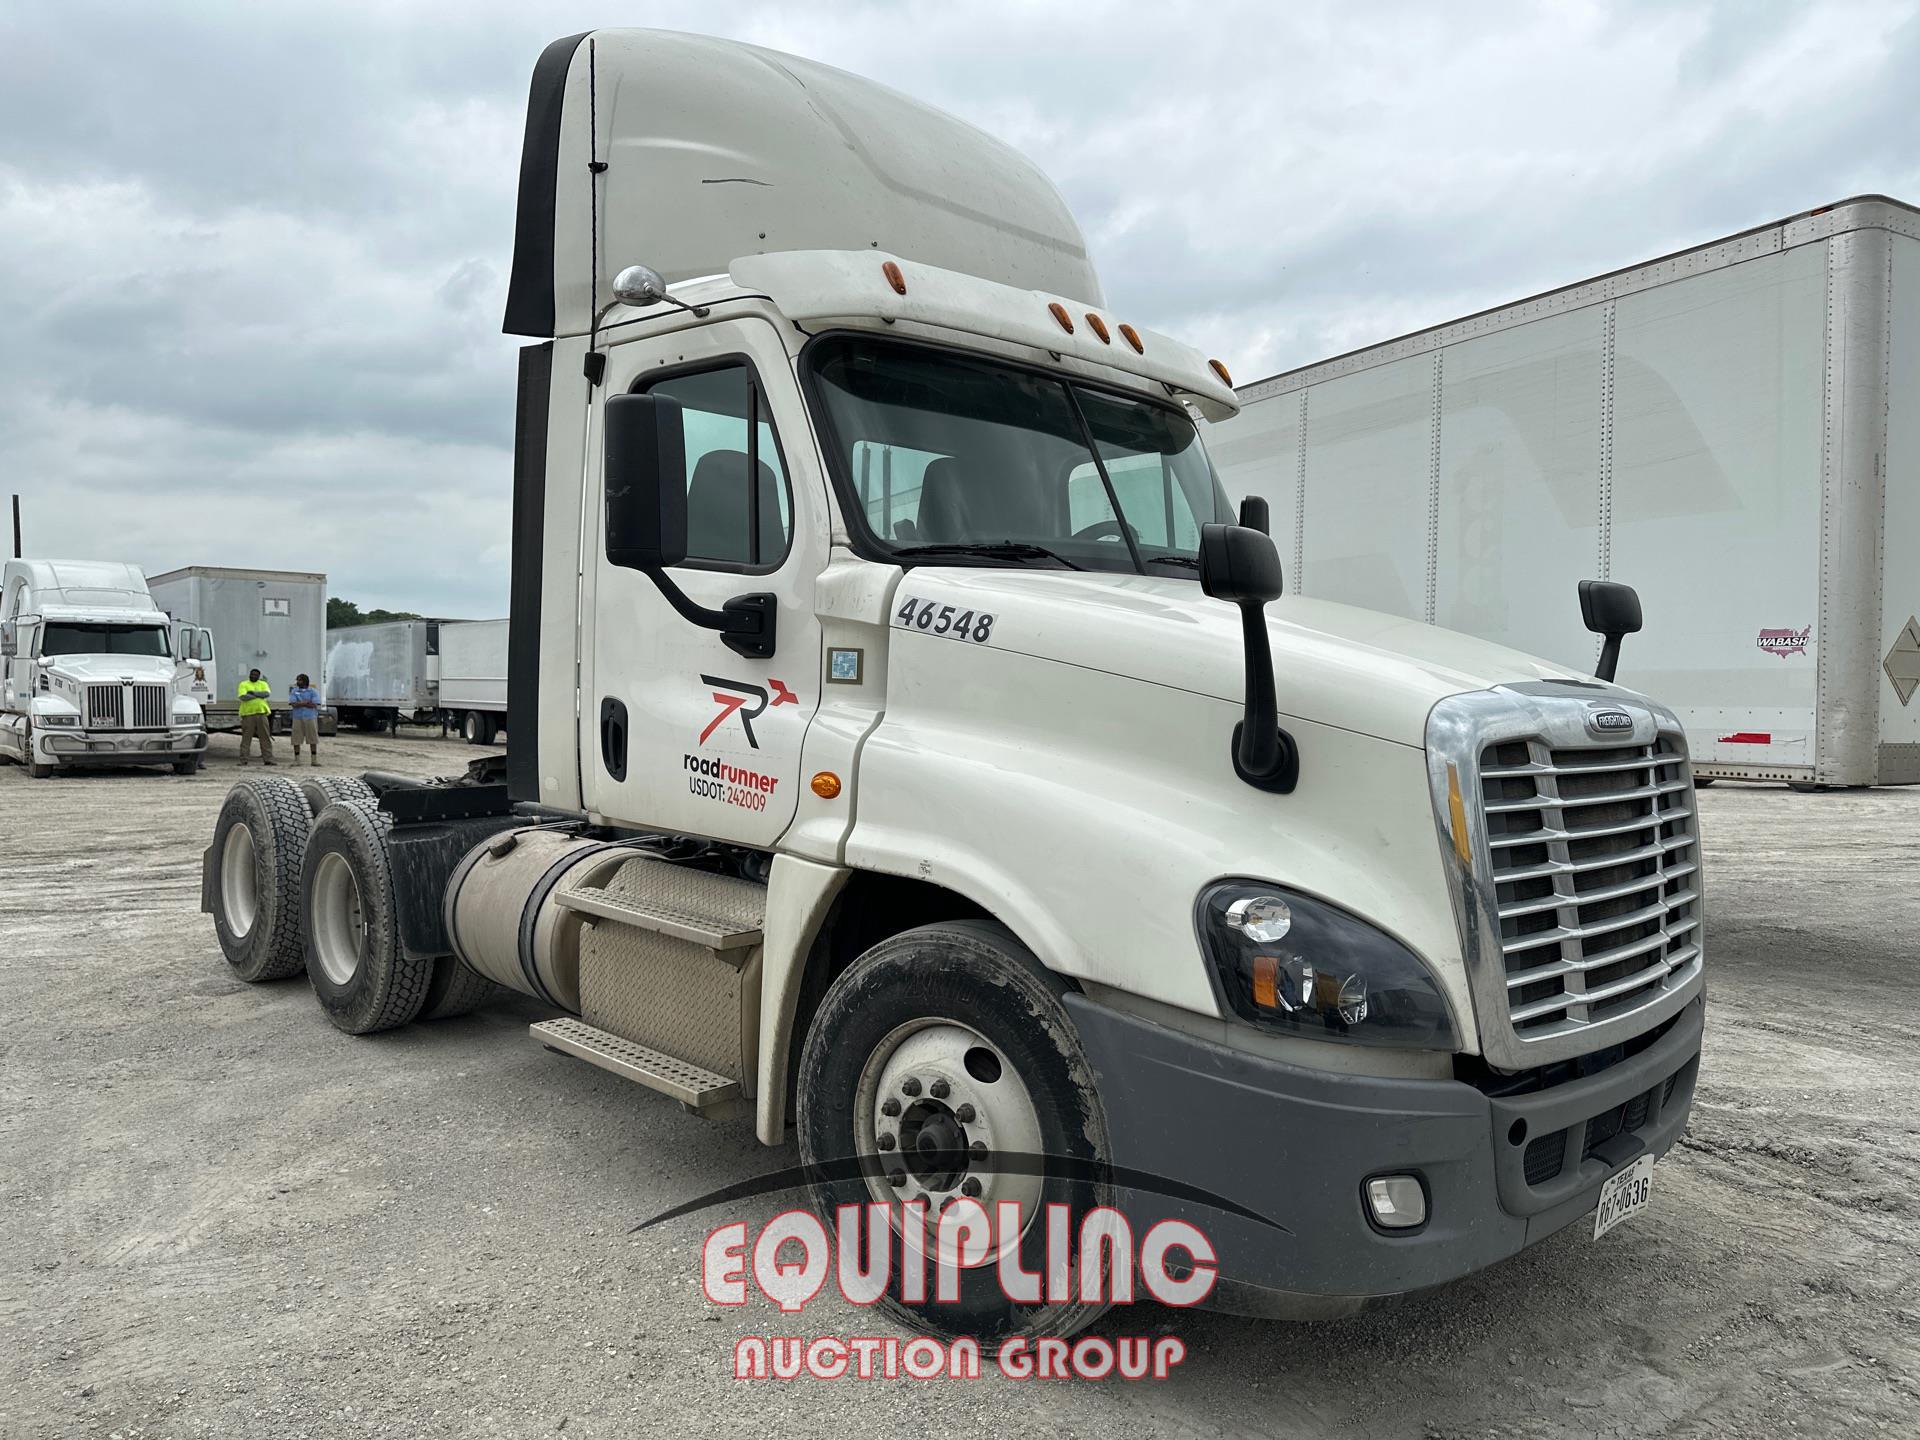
(1104, 530)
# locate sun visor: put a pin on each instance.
(713, 150)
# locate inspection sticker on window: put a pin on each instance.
(948, 620)
(1624, 1195)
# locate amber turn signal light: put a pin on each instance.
(826, 785)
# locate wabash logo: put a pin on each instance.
(1784, 642)
(749, 702)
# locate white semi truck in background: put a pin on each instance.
(910, 748)
(1730, 429)
(88, 674)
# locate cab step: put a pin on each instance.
(689, 1084)
(720, 913)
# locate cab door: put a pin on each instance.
(679, 731)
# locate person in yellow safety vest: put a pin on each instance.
(256, 716)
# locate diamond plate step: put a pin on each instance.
(689, 1084)
(721, 912)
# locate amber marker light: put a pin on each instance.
(1132, 337)
(894, 277)
(1457, 819)
(1099, 327)
(1060, 314)
(1266, 982)
(1221, 371)
(826, 785)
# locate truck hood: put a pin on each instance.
(1338, 665)
(100, 669)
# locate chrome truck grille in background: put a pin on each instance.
(1567, 822)
(108, 706)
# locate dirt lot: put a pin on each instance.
(224, 1217)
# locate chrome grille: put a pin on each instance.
(1595, 863)
(149, 707)
(104, 707)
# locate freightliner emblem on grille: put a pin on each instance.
(1609, 722)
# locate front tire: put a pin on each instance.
(363, 979)
(259, 840)
(959, 1031)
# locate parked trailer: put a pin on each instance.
(1720, 428)
(473, 677)
(379, 675)
(270, 620)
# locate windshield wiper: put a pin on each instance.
(992, 550)
(1190, 562)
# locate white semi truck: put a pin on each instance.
(1727, 428)
(911, 749)
(473, 677)
(88, 674)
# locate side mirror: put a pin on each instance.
(1610, 610)
(645, 452)
(1241, 566)
(9, 638)
(1254, 514)
(646, 470)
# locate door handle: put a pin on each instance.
(613, 737)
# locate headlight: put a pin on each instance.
(1297, 965)
(55, 721)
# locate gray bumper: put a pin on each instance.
(159, 748)
(1297, 1145)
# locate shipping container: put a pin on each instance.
(274, 621)
(1722, 428)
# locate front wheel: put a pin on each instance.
(936, 1051)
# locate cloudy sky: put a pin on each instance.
(253, 256)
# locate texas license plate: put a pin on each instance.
(1624, 1195)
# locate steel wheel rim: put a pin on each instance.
(991, 1116)
(339, 925)
(239, 887)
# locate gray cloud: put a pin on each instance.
(252, 256)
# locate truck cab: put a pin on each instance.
(90, 674)
(952, 781)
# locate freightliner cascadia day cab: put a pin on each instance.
(87, 671)
(906, 749)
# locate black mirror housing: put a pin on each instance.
(1239, 565)
(1610, 608)
(645, 455)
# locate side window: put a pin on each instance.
(731, 519)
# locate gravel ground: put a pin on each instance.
(224, 1217)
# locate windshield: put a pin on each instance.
(958, 458)
(64, 637)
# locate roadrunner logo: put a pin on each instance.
(749, 702)
(1784, 642)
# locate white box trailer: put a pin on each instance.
(1719, 428)
(473, 677)
(271, 620)
(378, 675)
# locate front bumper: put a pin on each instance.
(131, 748)
(1296, 1146)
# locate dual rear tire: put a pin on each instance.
(304, 880)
